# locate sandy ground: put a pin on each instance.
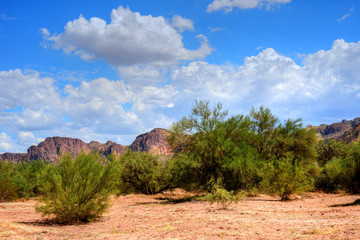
(154, 217)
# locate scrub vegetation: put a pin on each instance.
(221, 156)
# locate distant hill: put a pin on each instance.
(154, 142)
(346, 130)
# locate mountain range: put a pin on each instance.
(49, 150)
(154, 142)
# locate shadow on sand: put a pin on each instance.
(355, 203)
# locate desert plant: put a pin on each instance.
(342, 172)
(77, 190)
(144, 172)
(222, 197)
(7, 188)
(283, 178)
(210, 140)
(26, 178)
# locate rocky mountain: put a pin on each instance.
(153, 142)
(346, 130)
(13, 157)
(53, 146)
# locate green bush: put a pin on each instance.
(77, 190)
(145, 173)
(26, 178)
(7, 188)
(283, 178)
(342, 172)
(19, 180)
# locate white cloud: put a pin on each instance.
(140, 75)
(182, 24)
(129, 39)
(216, 29)
(327, 79)
(346, 15)
(94, 108)
(119, 110)
(266, 77)
(6, 143)
(228, 5)
(100, 104)
(27, 138)
(27, 90)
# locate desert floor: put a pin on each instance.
(166, 216)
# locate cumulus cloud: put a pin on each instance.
(140, 75)
(265, 77)
(327, 79)
(102, 109)
(6, 143)
(27, 89)
(27, 138)
(228, 5)
(31, 107)
(182, 24)
(129, 39)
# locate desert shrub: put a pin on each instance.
(144, 172)
(7, 188)
(284, 177)
(26, 178)
(77, 190)
(19, 180)
(342, 172)
(222, 197)
(332, 175)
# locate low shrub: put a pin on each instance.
(77, 190)
(222, 197)
(144, 173)
(284, 177)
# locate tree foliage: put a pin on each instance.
(210, 140)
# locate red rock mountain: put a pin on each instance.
(154, 142)
(345, 130)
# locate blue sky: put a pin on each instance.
(110, 70)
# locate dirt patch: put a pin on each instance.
(178, 216)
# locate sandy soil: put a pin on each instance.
(154, 217)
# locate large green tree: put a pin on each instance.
(211, 142)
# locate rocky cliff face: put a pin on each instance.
(153, 142)
(345, 130)
(13, 157)
(49, 150)
(53, 146)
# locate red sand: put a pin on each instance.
(150, 217)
